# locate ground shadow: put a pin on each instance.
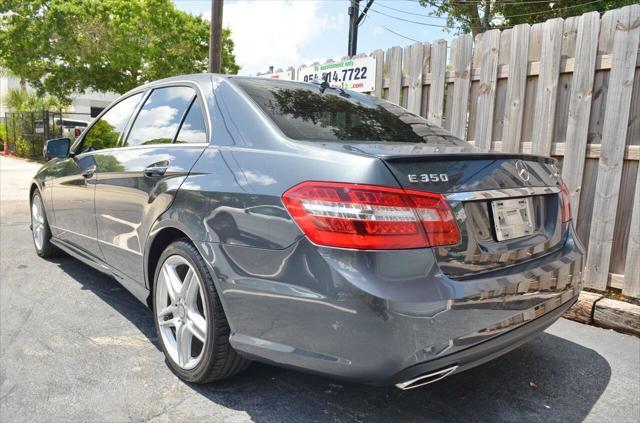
(112, 293)
(548, 379)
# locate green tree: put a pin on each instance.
(21, 100)
(476, 16)
(65, 46)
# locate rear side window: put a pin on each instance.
(160, 117)
(305, 112)
(106, 132)
(193, 129)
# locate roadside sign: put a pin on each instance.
(353, 74)
(285, 75)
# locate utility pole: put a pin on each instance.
(215, 41)
(354, 11)
(355, 17)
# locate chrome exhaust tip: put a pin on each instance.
(426, 378)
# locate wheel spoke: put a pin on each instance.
(171, 309)
(188, 285)
(172, 281)
(183, 342)
(169, 323)
(198, 326)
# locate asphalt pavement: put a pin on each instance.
(75, 346)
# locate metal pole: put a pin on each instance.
(215, 42)
(354, 12)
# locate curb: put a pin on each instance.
(594, 309)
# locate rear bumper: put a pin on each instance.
(485, 351)
(381, 317)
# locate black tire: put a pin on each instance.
(47, 249)
(220, 360)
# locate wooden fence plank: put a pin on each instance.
(531, 86)
(614, 132)
(490, 45)
(438, 72)
(461, 55)
(414, 94)
(394, 66)
(516, 87)
(426, 70)
(547, 91)
(379, 56)
(632, 262)
(570, 35)
(501, 88)
(580, 106)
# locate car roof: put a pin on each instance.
(203, 79)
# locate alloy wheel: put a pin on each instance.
(37, 222)
(181, 312)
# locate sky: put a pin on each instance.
(285, 33)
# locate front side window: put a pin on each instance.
(309, 113)
(160, 117)
(193, 129)
(106, 132)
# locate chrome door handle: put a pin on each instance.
(89, 171)
(155, 170)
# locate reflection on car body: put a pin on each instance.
(280, 221)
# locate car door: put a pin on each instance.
(73, 192)
(137, 182)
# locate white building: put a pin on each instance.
(84, 106)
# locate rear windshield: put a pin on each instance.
(304, 112)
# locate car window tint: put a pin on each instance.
(106, 132)
(307, 112)
(159, 118)
(193, 128)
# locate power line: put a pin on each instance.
(390, 30)
(410, 13)
(479, 2)
(521, 2)
(494, 27)
(553, 10)
(407, 20)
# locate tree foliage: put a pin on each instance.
(65, 46)
(477, 16)
(20, 100)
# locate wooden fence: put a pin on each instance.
(569, 88)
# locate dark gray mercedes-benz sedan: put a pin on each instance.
(310, 227)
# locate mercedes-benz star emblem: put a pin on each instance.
(522, 170)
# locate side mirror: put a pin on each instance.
(58, 147)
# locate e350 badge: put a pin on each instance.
(428, 177)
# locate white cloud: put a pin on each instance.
(378, 30)
(274, 32)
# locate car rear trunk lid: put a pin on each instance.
(507, 206)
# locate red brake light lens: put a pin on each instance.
(370, 217)
(565, 201)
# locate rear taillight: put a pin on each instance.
(370, 217)
(565, 200)
(77, 132)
